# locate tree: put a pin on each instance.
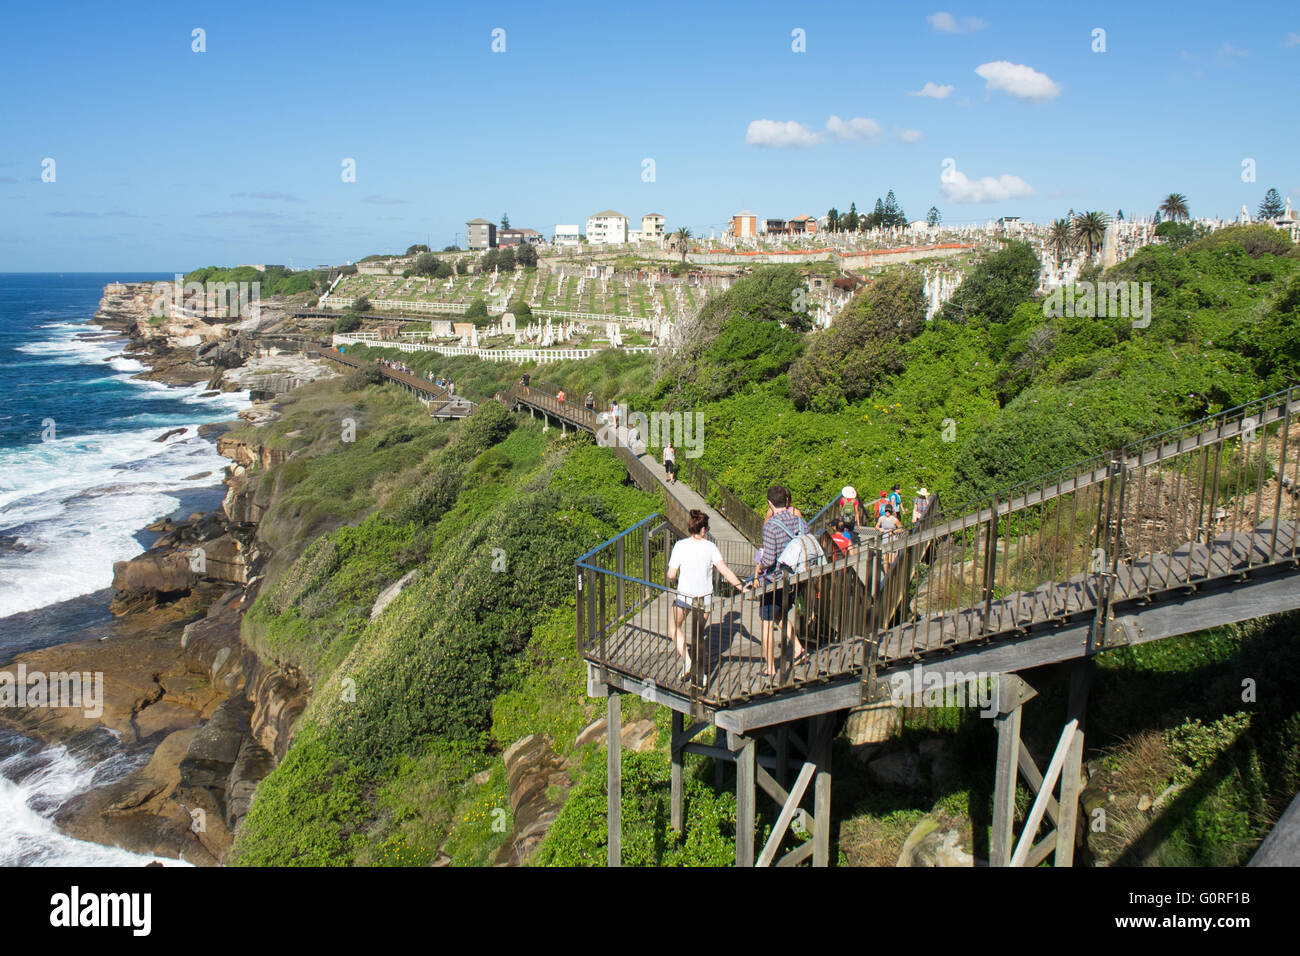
(490, 260)
(833, 219)
(848, 360)
(894, 215)
(1174, 206)
(877, 217)
(426, 264)
(505, 220)
(682, 239)
(998, 283)
(361, 304)
(1175, 233)
(477, 311)
(452, 248)
(506, 259)
(1271, 207)
(850, 223)
(462, 267)
(1060, 238)
(932, 218)
(527, 255)
(519, 308)
(1090, 230)
(417, 248)
(1120, 215)
(348, 323)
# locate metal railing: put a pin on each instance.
(1210, 500)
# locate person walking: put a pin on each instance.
(690, 571)
(589, 403)
(921, 505)
(782, 526)
(670, 463)
(850, 511)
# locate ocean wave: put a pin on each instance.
(35, 782)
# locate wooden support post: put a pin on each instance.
(675, 795)
(720, 738)
(1080, 683)
(822, 798)
(746, 798)
(1004, 781)
(614, 786)
(783, 754)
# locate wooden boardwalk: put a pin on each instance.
(731, 666)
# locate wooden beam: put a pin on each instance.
(614, 786)
(821, 840)
(1029, 770)
(1071, 782)
(1005, 777)
(745, 799)
(797, 855)
(1043, 849)
(782, 753)
(1040, 802)
(787, 814)
(675, 786)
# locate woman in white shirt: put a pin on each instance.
(690, 571)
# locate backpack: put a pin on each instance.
(803, 551)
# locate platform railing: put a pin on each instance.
(1208, 500)
(1213, 499)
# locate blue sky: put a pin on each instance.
(170, 159)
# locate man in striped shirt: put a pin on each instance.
(782, 526)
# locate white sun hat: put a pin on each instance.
(848, 493)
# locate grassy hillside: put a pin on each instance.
(399, 755)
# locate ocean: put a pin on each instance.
(81, 474)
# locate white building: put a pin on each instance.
(567, 235)
(607, 227)
(652, 227)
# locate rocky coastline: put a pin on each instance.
(203, 717)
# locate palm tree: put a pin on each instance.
(1090, 230)
(682, 238)
(1060, 238)
(1175, 206)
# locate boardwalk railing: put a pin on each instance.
(742, 517)
(1210, 499)
(1214, 499)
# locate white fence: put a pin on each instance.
(491, 355)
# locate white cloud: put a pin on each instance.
(910, 135)
(1292, 39)
(957, 187)
(856, 128)
(947, 23)
(1022, 82)
(778, 135)
(1228, 50)
(934, 91)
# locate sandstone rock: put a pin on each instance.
(638, 736)
(934, 842)
(872, 724)
(387, 595)
(532, 769)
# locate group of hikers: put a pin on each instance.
(788, 547)
(398, 366)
